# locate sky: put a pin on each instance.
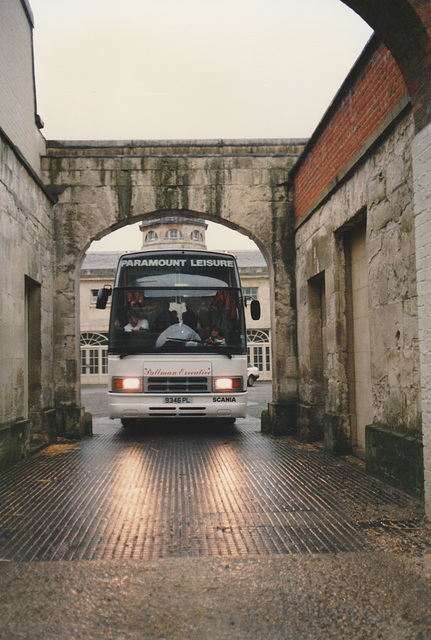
(189, 70)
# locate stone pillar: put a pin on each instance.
(71, 419)
(422, 206)
(281, 417)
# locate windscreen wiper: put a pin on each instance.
(179, 341)
(123, 354)
(220, 349)
(196, 343)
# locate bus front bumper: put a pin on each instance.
(152, 406)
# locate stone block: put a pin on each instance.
(310, 422)
(376, 190)
(396, 458)
(73, 422)
(13, 442)
(42, 428)
(280, 419)
(395, 173)
(336, 433)
(381, 214)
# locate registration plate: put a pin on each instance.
(178, 400)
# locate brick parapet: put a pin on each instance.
(370, 93)
(404, 26)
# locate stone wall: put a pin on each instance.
(378, 197)
(29, 416)
(422, 203)
(26, 309)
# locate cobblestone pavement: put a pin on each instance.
(197, 531)
(186, 490)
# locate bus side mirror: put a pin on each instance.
(102, 296)
(255, 309)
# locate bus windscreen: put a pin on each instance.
(181, 304)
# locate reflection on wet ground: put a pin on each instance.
(182, 489)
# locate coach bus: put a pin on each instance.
(177, 337)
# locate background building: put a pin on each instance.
(172, 232)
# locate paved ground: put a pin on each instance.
(179, 490)
(186, 531)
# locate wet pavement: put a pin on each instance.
(198, 530)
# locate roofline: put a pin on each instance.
(217, 142)
(28, 11)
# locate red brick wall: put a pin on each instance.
(371, 91)
(405, 28)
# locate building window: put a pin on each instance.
(196, 236)
(251, 293)
(94, 293)
(173, 234)
(90, 338)
(151, 236)
(259, 351)
(94, 357)
(258, 335)
(258, 357)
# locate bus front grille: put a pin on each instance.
(178, 385)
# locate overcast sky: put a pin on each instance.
(190, 69)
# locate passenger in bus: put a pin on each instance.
(203, 316)
(135, 299)
(189, 317)
(215, 336)
(135, 322)
(132, 300)
(221, 316)
(159, 315)
(173, 317)
(204, 323)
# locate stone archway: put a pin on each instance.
(101, 187)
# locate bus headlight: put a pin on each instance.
(223, 385)
(127, 384)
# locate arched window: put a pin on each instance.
(151, 236)
(257, 335)
(196, 236)
(88, 337)
(173, 234)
